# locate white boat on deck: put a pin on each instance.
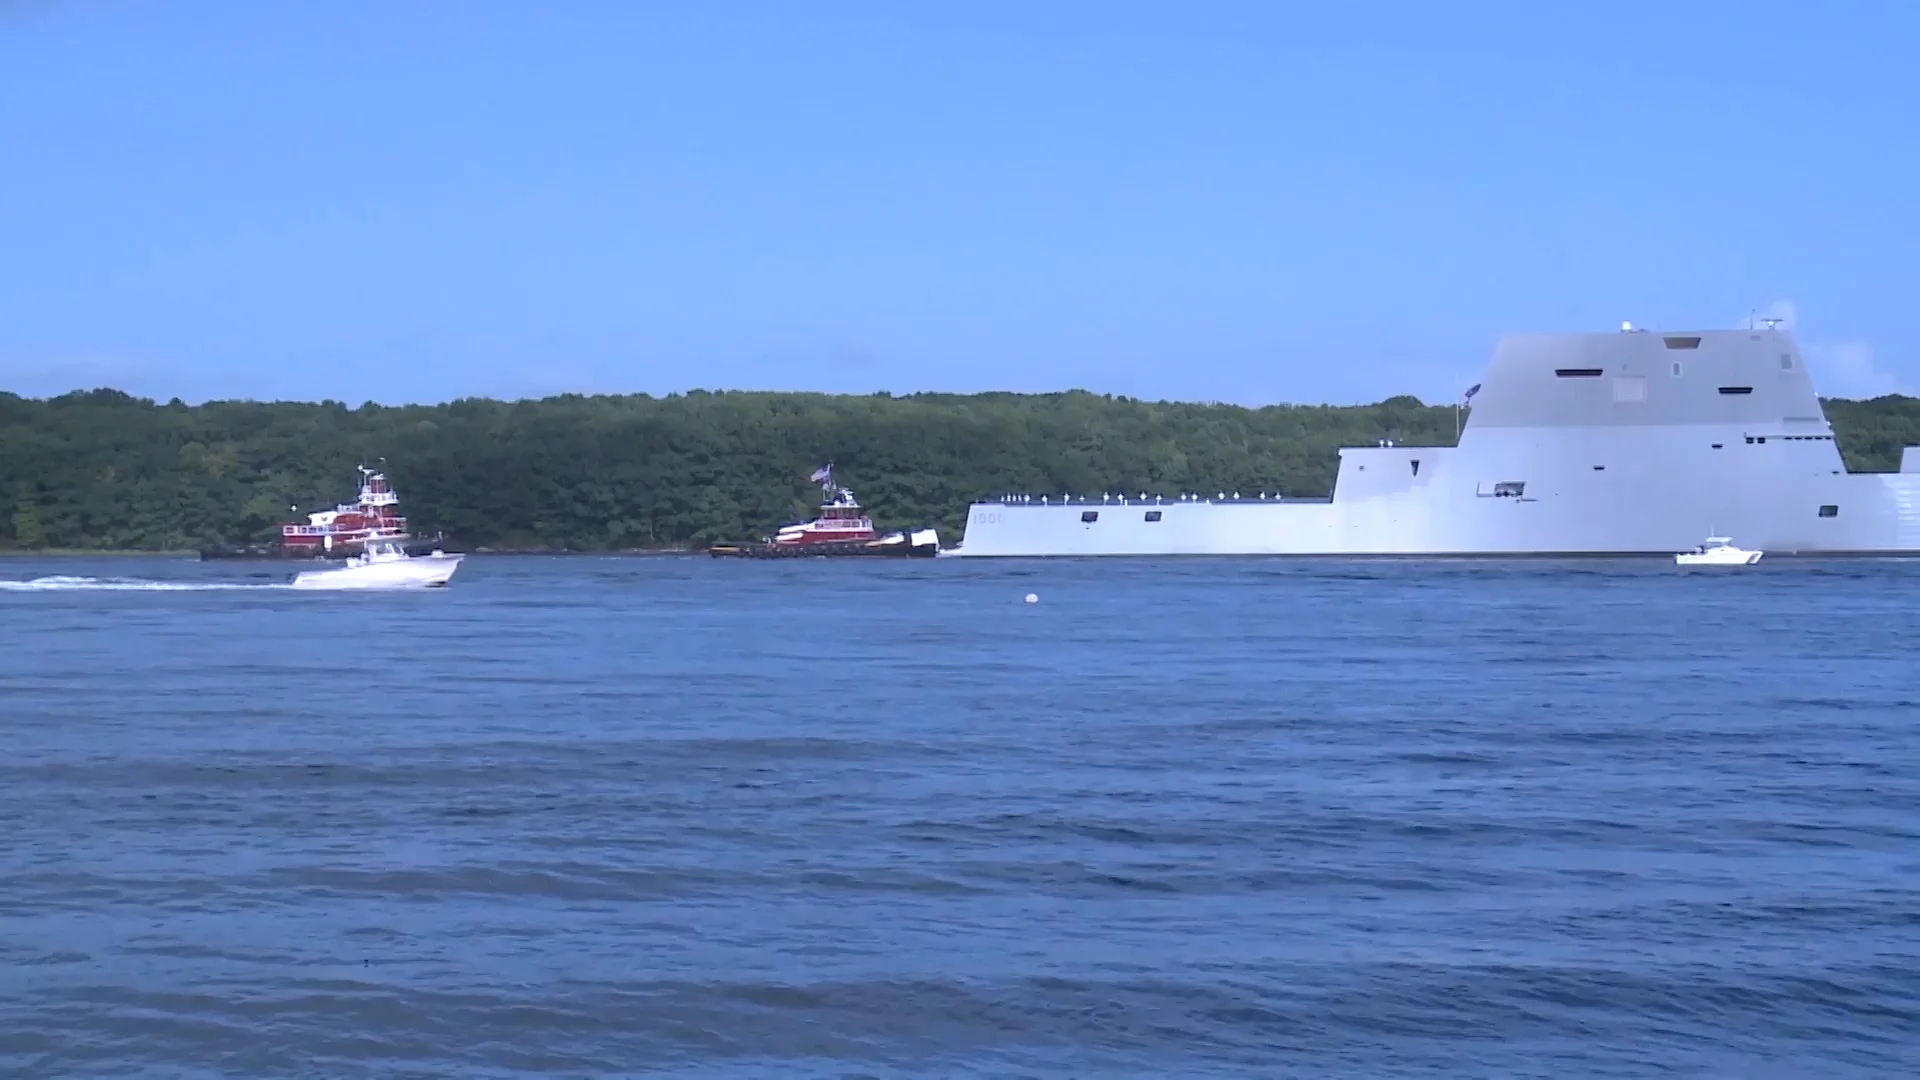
(384, 564)
(1717, 551)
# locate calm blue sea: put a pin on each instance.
(585, 817)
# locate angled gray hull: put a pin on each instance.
(1628, 443)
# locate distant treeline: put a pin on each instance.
(103, 470)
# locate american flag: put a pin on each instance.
(822, 473)
(1468, 396)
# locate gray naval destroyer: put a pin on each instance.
(1623, 443)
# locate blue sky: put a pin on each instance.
(1252, 202)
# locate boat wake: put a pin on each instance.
(68, 583)
(64, 582)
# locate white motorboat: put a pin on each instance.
(384, 564)
(1717, 551)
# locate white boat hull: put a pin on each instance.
(1718, 558)
(416, 572)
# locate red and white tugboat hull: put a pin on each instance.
(339, 533)
(842, 529)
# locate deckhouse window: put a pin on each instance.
(1736, 389)
(1509, 489)
(1153, 515)
(1830, 510)
(1089, 515)
(1786, 362)
(1683, 342)
(1579, 372)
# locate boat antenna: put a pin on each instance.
(1771, 323)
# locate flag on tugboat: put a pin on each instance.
(822, 474)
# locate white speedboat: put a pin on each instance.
(1717, 551)
(384, 564)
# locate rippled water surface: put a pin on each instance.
(665, 816)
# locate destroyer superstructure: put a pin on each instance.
(1633, 442)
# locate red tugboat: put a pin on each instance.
(337, 533)
(347, 527)
(842, 529)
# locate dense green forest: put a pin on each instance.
(102, 470)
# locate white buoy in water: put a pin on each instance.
(1033, 598)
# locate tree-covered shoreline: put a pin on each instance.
(105, 471)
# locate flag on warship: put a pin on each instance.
(1471, 390)
(822, 474)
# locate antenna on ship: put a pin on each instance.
(1771, 323)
